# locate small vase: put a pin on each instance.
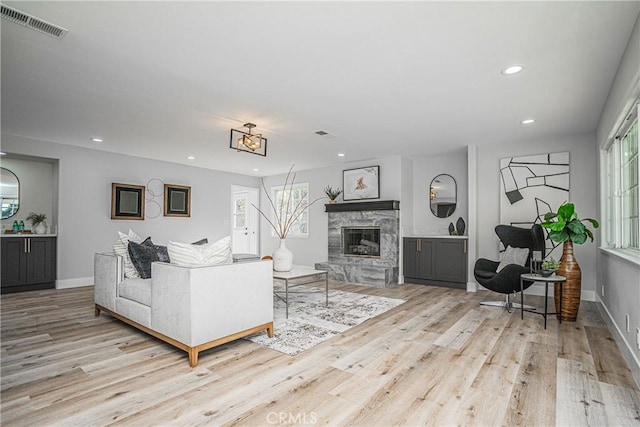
(282, 258)
(331, 201)
(41, 228)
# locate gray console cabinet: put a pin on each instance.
(435, 261)
(28, 263)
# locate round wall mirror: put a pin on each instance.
(443, 196)
(9, 193)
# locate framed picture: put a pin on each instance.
(177, 200)
(127, 201)
(361, 183)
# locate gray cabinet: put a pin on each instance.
(435, 261)
(28, 263)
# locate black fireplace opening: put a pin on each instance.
(361, 241)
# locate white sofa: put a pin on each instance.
(192, 308)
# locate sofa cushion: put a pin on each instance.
(513, 256)
(142, 255)
(138, 290)
(186, 254)
(121, 246)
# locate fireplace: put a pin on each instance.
(361, 241)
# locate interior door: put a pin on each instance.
(244, 220)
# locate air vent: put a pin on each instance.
(32, 22)
(324, 134)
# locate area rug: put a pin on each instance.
(310, 322)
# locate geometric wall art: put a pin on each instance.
(531, 187)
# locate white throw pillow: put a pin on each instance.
(190, 255)
(121, 247)
(513, 256)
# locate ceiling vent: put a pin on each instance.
(324, 134)
(32, 22)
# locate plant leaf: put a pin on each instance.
(559, 236)
(566, 211)
(593, 222)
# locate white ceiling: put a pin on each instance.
(169, 79)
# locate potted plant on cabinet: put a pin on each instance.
(565, 227)
(38, 222)
(332, 194)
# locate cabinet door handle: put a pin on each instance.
(26, 246)
(465, 246)
(418, 245)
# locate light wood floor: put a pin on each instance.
(439, 359)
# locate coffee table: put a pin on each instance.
(297, 276)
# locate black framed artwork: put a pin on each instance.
(127, 201)
(177, 200)
(361, 183)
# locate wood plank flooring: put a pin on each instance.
(438, 359)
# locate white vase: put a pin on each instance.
(282, 257)
(41, 228)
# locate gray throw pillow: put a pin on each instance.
(142, 255)
(513, 256)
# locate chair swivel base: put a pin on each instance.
(507, 305)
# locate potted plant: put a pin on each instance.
(549, 267)
(567, 228)
(332, 194)
(38, 222)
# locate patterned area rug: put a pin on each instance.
(310, 322)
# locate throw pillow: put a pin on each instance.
(513, 256)
(190, 255)
(163, 253)
(120, 247)
(142, 255)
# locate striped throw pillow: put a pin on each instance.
(121, 247)
(190, 255)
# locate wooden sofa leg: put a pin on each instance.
(193, 357)
(270, 330)
(97, 313)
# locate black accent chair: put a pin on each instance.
(507, 280)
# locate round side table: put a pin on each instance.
(530, 277)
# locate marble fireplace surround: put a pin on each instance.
(380, 271)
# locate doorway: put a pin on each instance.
(244, 220)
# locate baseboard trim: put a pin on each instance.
(538, 290)
(472, 287)
(623, 345)
(74, 283)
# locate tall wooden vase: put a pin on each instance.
(570, 269)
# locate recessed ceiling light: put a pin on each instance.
(191, 157)
(97, 140)
(512, 69)
(527, 121)
(341, 154)
(256, 170)
(2, 153)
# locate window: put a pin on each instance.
(621, 198)
(299, 195)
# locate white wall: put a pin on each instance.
(308, 251)
(621, 277)
(85, 177)
(582, 192)
(425, 169)
(37, 189)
